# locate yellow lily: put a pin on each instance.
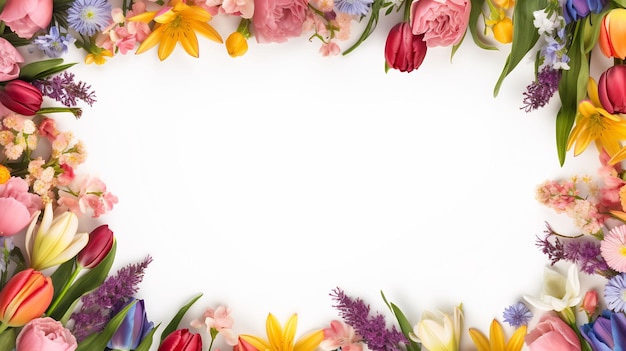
(177, 23)
(280, 339)
(594, 123)
(496, 340)
(56, 240)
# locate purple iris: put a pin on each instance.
(133, 329)
(573, 10)
(607, 332)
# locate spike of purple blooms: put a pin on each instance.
(99, 306)
(539, 92)
(585, 253)
(64, 89)
(373, 329)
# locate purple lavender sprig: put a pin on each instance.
(585, 253)
(99, 306)
(539, 92)
(66, 90)
(373, 329)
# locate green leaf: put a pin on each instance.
(475, 13)
(525, 36)
(146, 343)
(7, 339)
(173, 324)
(87, 282)
(405, 325)
(619, 3)
(62, 275)
(43, 69)
(572, 89)
(98, 341)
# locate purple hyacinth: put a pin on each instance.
(65, 89)
(540, 91)
(373, 329)
(99, 306)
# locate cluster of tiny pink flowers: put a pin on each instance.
(17, 136)
(122, 35)
(557, 195)
(586, 216)
(328, 26)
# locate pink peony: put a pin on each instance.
(278, 20)
(443, 22)
(17, 206)
(550, 334)
(27, 17)
(10, 60)
(45, 334)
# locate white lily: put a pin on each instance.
(56, 240)
(559, 291)
(439, 332)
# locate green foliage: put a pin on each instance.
(173, 324)
(404, 324)
(43, 69)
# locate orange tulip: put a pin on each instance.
(26, 296)
(612, 39)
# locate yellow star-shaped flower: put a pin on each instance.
(177, 23)
(280, 339)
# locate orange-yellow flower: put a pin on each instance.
(177, 23)
(594, 123)
(236, 44)
(496, 340)
(98, 56)
(282, 339)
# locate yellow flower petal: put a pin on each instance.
(310, 341)
(516, 342)
(496, 336)
(207, 31)
(479, 339)
(189, 41)
(153, 39)
(255, 341)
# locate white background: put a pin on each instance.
(266, 181)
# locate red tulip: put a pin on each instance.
(21, 97)
(612, 89)
(404, 50)
(97, 248)
(181, 340)
(26, 296)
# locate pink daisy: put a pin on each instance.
(613, 248)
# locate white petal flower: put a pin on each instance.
(559, 291)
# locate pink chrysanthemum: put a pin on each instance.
(613, 248)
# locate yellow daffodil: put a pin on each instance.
(496, 340)
(177, 23)
(280, 339)
(594, 123)
(56, 240)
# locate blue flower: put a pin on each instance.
(88, 17)
(354, 7)
(607, 332)
(517, 315)
(614, 293)
(573, 10)
(133, 329)
(53, 44)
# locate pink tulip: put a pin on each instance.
(98, 247)
(26, 296)
(612, 89)
(551, 334)
(45, 334)
(27, 17)
(590, 302)
(21, 97)
(11, 60)
(404, 50)
(612, 39)
(181, 340)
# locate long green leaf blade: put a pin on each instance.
(173, 324)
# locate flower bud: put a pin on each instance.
(133, 329)
(21, 97)
(97, 248)
(503, 30)
(612, 89)
(181, 340)
(236, 44)
(26, 296)
(590, 302)
(404, 50)
(612, 38)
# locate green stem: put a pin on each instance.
(407, 10)
(371, 24)
(63, 291)
(3, 327)
(244, 27)
(77, 112)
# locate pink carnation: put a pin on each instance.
(278, 20)
(443, 22)
(10, 60)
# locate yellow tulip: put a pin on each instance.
(236, 44)
(56, 240)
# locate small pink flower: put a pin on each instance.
(87, 193)
(330, 49)
(443, 22)
(590, 302)
(341, 335)
(218, 319)
(613, 248)
(27, 17)
(10, 60)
